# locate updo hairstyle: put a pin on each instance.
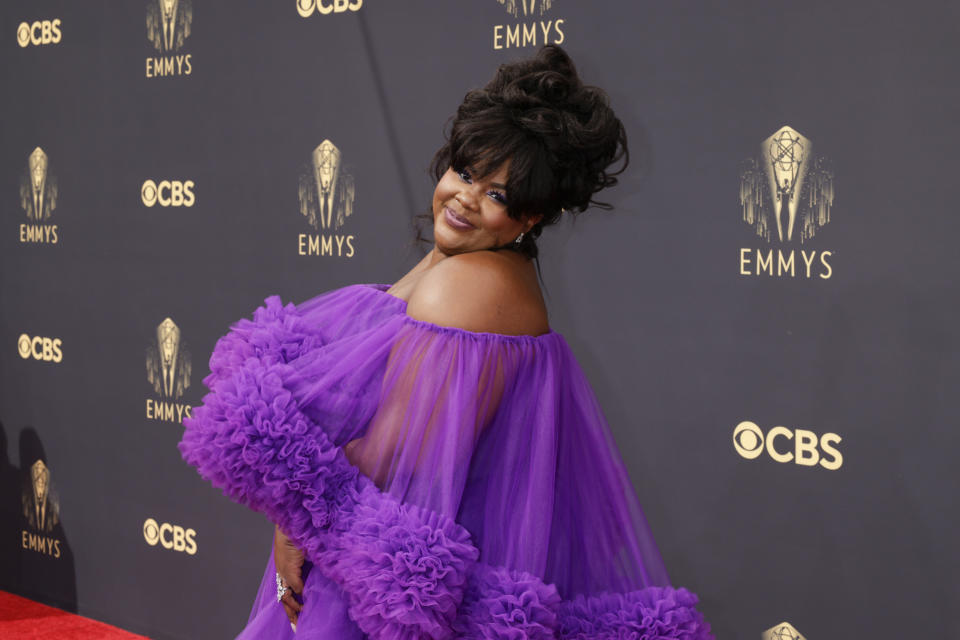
(560, 135)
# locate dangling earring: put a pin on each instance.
(519, 238)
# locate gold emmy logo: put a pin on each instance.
(796, 184)
(808, 449)
(786, 194)
(168, 23)
(327, 195)
(40, 505)
(38, 198)
(38, 189)
(782, 631)
(307, 8)
(527, 7)
(169, 367)
(528, 34)
(41, 509)
(39, 32)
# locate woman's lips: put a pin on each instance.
(455, 221)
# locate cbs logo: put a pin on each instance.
(45, 349)
(806, 450)
(39, 32)
(168, 193)
(170, 536)
(306, 8)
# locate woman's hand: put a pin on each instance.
(289, 561)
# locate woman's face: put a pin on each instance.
(470, 213)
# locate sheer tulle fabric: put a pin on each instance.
(443, 483)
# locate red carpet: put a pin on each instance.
(28, 620)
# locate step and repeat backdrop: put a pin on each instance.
(769, 316)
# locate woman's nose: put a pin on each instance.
(467, 198)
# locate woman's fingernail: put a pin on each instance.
(294, 627)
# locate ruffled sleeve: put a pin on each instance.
(453, 484)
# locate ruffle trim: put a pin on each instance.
(408, 573)
(648, 614)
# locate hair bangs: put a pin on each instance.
(530, 181)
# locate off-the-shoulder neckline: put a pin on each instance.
(381, 289)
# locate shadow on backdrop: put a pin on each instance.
(35, 559)
(9, 516)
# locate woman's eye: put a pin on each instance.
(464, 174)
(498, 196)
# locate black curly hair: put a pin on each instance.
(560, 135)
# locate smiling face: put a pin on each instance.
(470, 213)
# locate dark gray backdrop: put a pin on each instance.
(679, 345)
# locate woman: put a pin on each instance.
(431, 449)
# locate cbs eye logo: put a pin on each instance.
(39, 348)
(168, 193)
(170, 536)
(807, 450)
(39, 32)
(307, 8)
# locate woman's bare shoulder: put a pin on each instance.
(482, 291)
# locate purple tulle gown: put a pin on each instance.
(442, 483)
